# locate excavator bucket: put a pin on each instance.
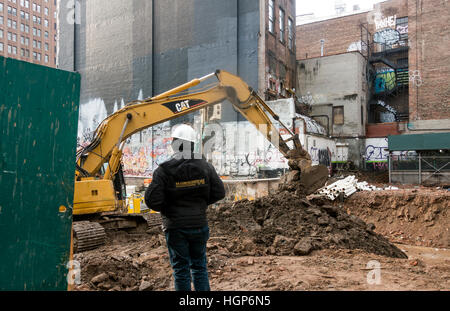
(312, 178)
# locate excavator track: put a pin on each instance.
(87, 235)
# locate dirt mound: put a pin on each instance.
(125, 263)
(289, 224)
(416, 216)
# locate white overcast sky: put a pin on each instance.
(322, 8)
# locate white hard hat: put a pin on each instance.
(185, 132)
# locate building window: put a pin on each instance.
(46, 22)
(1, 7)
(46, 46)
(46, 58)
(1, 20)
(12, 11)
(1, 47)
(271, 15)
(1, 34)
(282, 25)
(46, 11)
(12, 37)
(291, 33)
(402, 27)
(338, 115)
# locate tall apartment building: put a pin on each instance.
(28, 30)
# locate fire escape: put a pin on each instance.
(387, 71)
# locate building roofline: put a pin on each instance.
(326, 18)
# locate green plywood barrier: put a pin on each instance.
(38, 128)
(430, 141)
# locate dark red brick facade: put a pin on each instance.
(280, 50)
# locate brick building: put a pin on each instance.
(404, 88)
(280, 48)
(28, 30)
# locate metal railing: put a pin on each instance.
(425, 167)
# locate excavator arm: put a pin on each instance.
(103, 195)
(114, 130)
(95, 193)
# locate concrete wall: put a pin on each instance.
(127, 50)
(336, 81)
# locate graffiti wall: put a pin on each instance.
(142, 152)
(239, 149)
(146, 150)
(234, 148)
(376, 154)
(322, 150)
(384, 80)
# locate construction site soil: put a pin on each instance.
(417, 216)
(287, 242)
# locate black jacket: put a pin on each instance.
(182, 189)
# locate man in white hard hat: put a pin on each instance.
(181, 190)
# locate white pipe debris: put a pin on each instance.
(347, 187)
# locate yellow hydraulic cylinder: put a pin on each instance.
(134, 203)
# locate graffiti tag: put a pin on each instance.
(386, 36)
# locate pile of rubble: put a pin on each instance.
(289, 224)
(347, 186)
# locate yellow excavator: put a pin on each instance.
(99, 198)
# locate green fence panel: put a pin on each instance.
(38, 125)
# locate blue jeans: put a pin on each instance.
(187, 253)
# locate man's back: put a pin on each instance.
(182, 189)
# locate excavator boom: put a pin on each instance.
(98, 193)
(139, 115)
